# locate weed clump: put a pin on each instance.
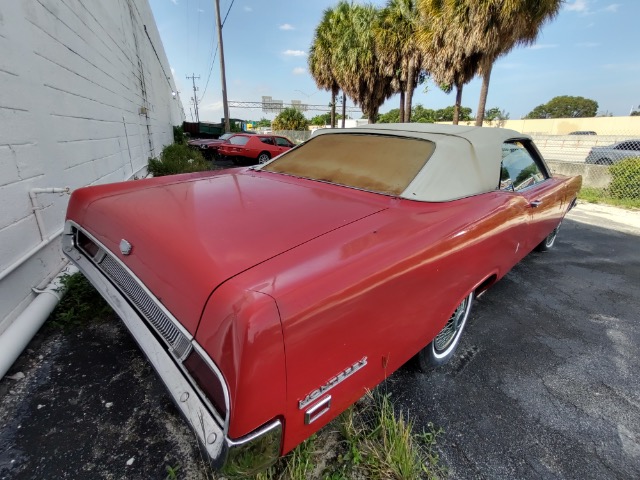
(177, 158)
(80, 305)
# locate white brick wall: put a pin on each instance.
(74, 77)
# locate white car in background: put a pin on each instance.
(614, 153)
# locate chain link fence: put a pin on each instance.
(609, 164)
(296, 136)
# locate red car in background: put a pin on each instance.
(250, 149)
(209, 146)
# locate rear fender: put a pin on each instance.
(241, 331)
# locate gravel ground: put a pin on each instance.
(545, 384)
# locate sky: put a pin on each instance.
(590, 49)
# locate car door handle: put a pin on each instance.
(535, 203)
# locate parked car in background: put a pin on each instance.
(614, 153)
(209, 146)
(251, 149)
(583, 132)
(270, 298)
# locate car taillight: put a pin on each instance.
(86, 244)
(207, 380)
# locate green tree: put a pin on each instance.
(420, 114)
(465, 37)
(325, 119)
(359, 70)
(392, 116)
(495, 114)
(450, 56)
(635, 113)
(290, 119)
(498, 26)
(565, 107)
(263, 122)
(398, 49)
(448, 114)
(322, 63)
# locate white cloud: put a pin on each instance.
(578, 6)
(286, 26)
(200, 10)
(175, 2)
(588, 44)
(247, 9)
(613, 8)
(299, 71)
(294, 53)
(540, 46)
(173, 71)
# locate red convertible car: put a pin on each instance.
(269, 299)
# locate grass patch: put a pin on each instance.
(368, 441)
(80, 305)
(602, 195)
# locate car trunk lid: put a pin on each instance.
(189, 237)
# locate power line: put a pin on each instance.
(213, 61)
(225, 17)
(280, 106)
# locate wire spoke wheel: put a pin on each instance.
(550, 240)
(448, 334)
(443, 346)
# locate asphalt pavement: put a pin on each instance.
(544, 385)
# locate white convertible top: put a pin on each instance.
(466, 160)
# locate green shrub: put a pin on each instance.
(625, 179)
(178, 134)
(177, 158)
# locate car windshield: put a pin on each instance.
(225, 136)
(377, 163)
(238, 140)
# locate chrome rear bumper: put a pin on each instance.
(250, 453)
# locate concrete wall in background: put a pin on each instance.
(615, 126)
(85, 98)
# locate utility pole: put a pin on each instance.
(223, 78)
(195, 95)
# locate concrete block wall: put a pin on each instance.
(85, 98)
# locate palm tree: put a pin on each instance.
(397, 49)
(320, 60)
(358, 68)
(499, 26)
(451, 58)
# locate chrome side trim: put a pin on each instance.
(317, 411)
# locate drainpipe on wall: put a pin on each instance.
(37, 209)
(18, 335)
(15, 338)
(46, 240)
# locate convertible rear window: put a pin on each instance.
(377, 163)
